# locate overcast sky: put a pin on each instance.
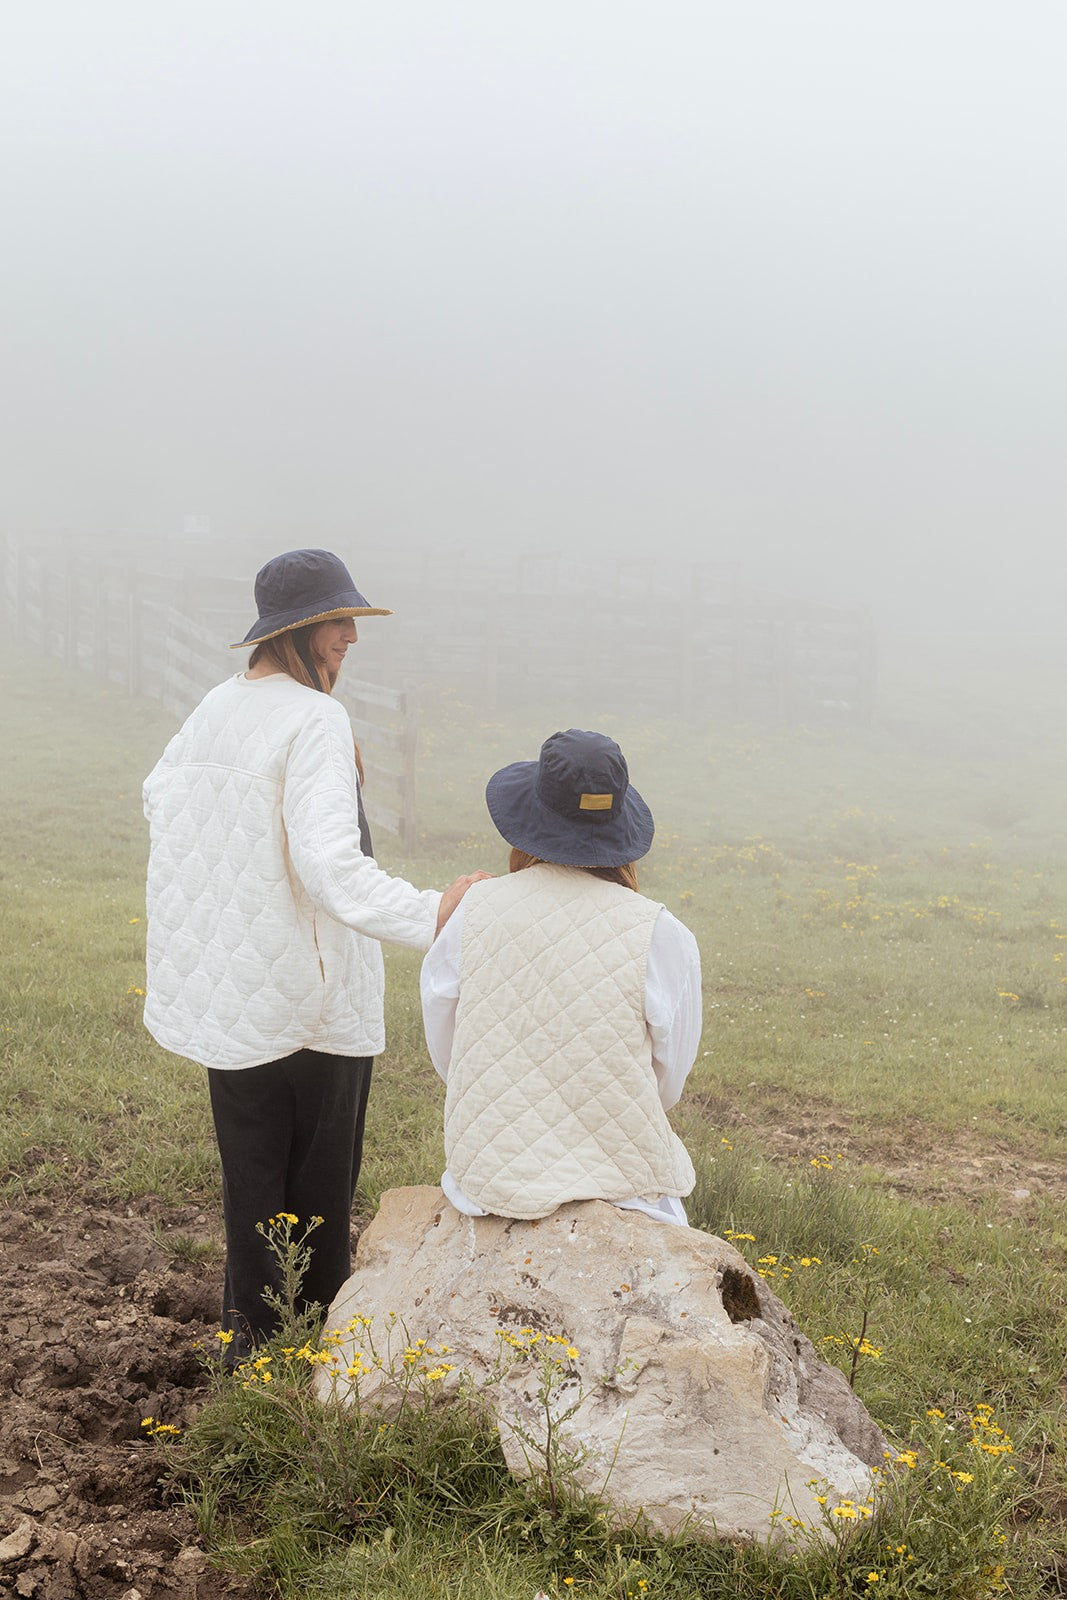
(776, 284)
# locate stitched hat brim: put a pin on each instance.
(257, 637)
(603, 840)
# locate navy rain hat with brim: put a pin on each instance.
(304, 586)
(574, 806)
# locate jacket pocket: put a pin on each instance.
(318, 949)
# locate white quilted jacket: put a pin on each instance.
(551, 1090)
(263, 914)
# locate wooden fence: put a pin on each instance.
(622, 638)
(628, 635)
(157, 634)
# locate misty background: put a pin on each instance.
(774, 287)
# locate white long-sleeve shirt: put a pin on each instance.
(672, 1012)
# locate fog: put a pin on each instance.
(772, 286)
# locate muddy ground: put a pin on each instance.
(101, 1322)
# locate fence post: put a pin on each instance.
(867, 670)
(133, 631)
(411, 738)
(101, 662)
(492, 652)
(784, 665)
(70, 587)
(687, 647)
(20, 593)
(40, 639)
(737, 660)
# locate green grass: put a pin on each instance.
(407, 1497)
(880, 914)
(86, 1092)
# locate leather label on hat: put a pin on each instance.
(595, 802)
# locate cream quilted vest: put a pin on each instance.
(551, 1092)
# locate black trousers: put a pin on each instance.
(290, 1135)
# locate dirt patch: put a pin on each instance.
(965, 1169)
(925, 1165)
(102, 1322)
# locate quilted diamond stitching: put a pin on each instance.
(546, 964)
(234, 961)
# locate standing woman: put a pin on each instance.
(265, 912)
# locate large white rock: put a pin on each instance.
(701, 1401)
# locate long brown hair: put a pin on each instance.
(625, 876)
(290, 652)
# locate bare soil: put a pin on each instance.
(922, 1164)
(102, 1324)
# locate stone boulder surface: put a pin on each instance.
(701, 1402)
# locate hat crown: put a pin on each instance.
(574, 806)
(582, 775)
(298, 579)
(303, 586)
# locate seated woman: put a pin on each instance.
(561, 1007)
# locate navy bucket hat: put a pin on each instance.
(574, 805)
(304, 586)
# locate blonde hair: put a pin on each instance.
(624, 876)
(290, 652)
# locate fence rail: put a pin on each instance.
(706, 649)
(148, 633)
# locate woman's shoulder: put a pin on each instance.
(672, 935)
(579, 885)
(305, 709)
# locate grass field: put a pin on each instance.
(880, 1091)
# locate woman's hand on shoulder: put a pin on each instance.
(452, 896)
